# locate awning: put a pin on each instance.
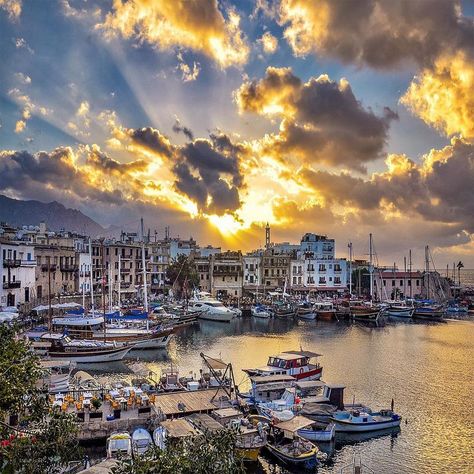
(295, 424)
(216, 364)
(303, 353)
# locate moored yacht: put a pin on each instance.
(305, 311)
(360, 421)
(212, 310)
(399, 309)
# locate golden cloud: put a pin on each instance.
(194, 24)
(269, 43)
(443, 96)
(12, 7)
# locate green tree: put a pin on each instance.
(202, 454)
(43, 441)
(182, 275)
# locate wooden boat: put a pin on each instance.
(359, 421)
(250, 438)
(286, 445)
(81, 351)
(283, 310)
(428, 311)
(399, 310)
(305, 311)
(119, 444)
(325, 310)
(294, 363)
(141, 441)
(365, 312)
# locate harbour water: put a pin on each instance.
(427, 368)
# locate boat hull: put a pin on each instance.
(326, 315)
(308, 459)
(221, 317)
(260, 314)
(308, 316)
(86, 357)
(400, 313)
(348, 427)
(319, 435)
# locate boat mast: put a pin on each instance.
(50, 314)
(371, 269)
(427, 269)
(405, 277)
(110, 287)
(119, 280)
(145, 294)
(83, 288)
(409, 266)
(102, 274)
(91, 278)
(350, 268)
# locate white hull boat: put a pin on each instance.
(313, 433)
(141, 441)
(400, 312)
(360, 422)
(260, 312)
(212, 310)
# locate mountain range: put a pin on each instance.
(56, 216)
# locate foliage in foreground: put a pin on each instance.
(202, 454)
(41, 442)
(182, 274)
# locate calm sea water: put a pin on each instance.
(427, 368)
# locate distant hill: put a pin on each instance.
(56, 216)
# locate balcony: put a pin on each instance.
(69, 268)
(11, 262)
(125, 270)
(28, 263)
(85, 274)
(9, 285)
(52, 267)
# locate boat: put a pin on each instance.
(325, 310)
(283, 310)
(260, 311)
(305, 311)
(81, 351)
(365, 312)
(319, 432)
(159, 437)
(457, 308)
(399, 310)
(79, 320)
(212, 310)
(141, 441)
(349, 421)
(428, 310)
(286, 445)
(279, 409)
(170, 382)
(294, 363)
(119, 444)
(250, 438)
(265, 388)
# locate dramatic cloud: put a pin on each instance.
(194, 24)
(379, 33)
(269, 43)
(322, 121)
(444, 95)
(12, 7)
(178, 128)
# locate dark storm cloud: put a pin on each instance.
(322, 120)
(379, 33)
(178, 128)
(100, 160)
(152, 139)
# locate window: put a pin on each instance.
(322, 267)
(385, 283)
(393, 282)
(417, 282)
(330, 278)
(299, 280)
(294, 280)
(266, 271)
(28, 257)
(337, 280)
(251, 279)
(409, 282)
(401, 282)
(322, 280)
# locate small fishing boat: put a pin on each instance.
(283, 310)
(286, 445)
(365, 312)
(294, 363)
(260, 311)
(305, 311)
(141, 441)
(399, 310)
(428, 310)
(360, 421)
(159, 437)
(457, 308)
(169, 381)
(325, 310)
(119, 444)
(319, 432)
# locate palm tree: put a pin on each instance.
(459, 265)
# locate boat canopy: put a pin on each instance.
(295, 424)
(179, 428)
(270, 378)
(302, 354)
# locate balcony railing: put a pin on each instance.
(52, 267)
(69, 268)
(28, 263)
(86, 274)
(11, 262)
(7, 285)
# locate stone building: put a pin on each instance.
(226, 274)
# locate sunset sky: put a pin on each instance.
(340, 117)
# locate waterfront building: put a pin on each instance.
(394, 284)
(226, 274)
(203, 269)
(17, 268)
(252, 267)
(319, 246)
(275, 267)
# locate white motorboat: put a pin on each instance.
(159, 437)
(351, 421)
(259, 311)
(212, 310)
(119, 444)
(141, 441)
(77, 321)
(318, 432)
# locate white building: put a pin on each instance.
(394, 284)
(85, 265)
(319, 274)
(17, 268)
(252, 271)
